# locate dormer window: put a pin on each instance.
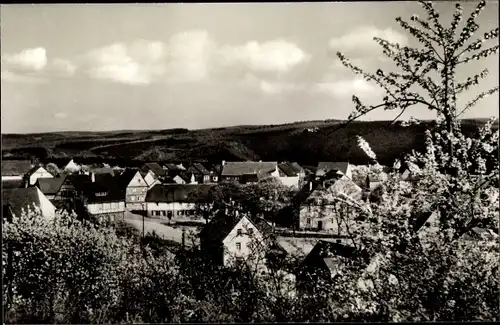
(101, 194)
(239, 231)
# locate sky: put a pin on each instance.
(75, 67)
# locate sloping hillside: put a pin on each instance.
(304, 142)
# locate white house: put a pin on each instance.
(15, 201)
(320, 210)
(135, 188)
(149, 177)
(228, 239)
(291, 174)
(38, 172)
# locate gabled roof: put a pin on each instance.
(324, 167)
(103, 170)
(201, 169)
(49, 186)
(193, 170)
(290, 169)
(178, 193)
(35, 169)
(221, 225)
(326, 253)
(155, 168)
(186, 176)
(172, 167)
(16, 167)
(126, 177)
(20, 198)
(239, 168)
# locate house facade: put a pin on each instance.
(322, 212)
(104, 199)
(72, 167)
(38, 172)
(136, 189)
(229, 239)
(168, 201)
(291, 174)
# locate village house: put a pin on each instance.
(325, 261)
(227, 239)
(320, 211)
(183, 177)
(38, 172)
(104, 199)
(340, 168)
(49, 186)
(16, 170)
(155, 168)
(248, 171)
(15, 201)
(291, 174)
(168, 201)
(215, 172)
(203, 174)
(73, 186)
(150, 178)
(136, 189)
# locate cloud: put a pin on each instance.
(62, 66)
(14, 77)
(347, 88)
(34, 59)
(361, 40)
(272, 56)
(183, 58)
(60, 115)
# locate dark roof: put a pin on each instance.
(12, 183)
(325, 253)
(178, 192)
(239, 168)
(193, 170)
(201, 168)
(155, 168)
(290, 169)
(172, 167)
(20, 198)
(103, 170)
(107, 184)
(79, 182)
(49, 186)
(221, 225)
(15, 167)
(324, 167)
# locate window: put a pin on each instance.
(308, 221)
(101, 193)
(250, 231)
(238, 246)
(164, 213)
(179, 213)
(240, 232)
(331, 220)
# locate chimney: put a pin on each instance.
(183, 238)
(310, 186)
(223, 162)
(92, 176)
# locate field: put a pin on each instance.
(291, 142)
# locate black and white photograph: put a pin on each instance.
(250, 162)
